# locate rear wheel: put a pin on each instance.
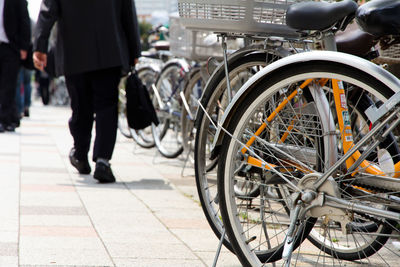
(298, 142)
(215, 101)
(144, 137)
(168, 104)
(122, 119)
(193, 91)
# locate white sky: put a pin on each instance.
(34, 6)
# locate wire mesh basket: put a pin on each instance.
(192, 44)
(390, 55)
(260, 17)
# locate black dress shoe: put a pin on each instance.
(10, 127)
(82, 166)
(2, 130)
(103, 173)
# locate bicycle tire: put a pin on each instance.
(257, 98)
(167, 135)
(144, 138)
(205, 169)
(193, 89)
(122, 119)
(358, 104)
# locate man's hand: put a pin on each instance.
(24, 54)
(135, 61)
(40, 60)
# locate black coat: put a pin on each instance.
(91, 35)
(17, 24)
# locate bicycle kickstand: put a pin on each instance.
(221, 241)
(186, 161)
(290, 237)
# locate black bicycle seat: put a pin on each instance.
(354, 41)
(319, 15)
(380, 17)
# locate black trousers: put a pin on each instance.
(9, 68)
(94, 96)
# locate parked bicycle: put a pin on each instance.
(317, 129)
(206, 180)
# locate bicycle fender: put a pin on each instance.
(148, 65)
(182, 62)
(337, 57)
(236, 56)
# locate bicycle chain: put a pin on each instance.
(369, 217)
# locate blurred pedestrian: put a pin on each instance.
(15, 37)
(96, 42)
(24, 91)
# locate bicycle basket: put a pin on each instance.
(259, 17)
(390, 55)
(192, 44)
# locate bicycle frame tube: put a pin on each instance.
(356, 147)
(274, 113)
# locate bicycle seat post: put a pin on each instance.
(228, 84)
(329, 41)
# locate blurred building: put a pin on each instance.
(146, 8)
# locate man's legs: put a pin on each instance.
(19, 99)
(27, 91)
(81, 121)
(94, 92)
(9, 67)
(105, 102)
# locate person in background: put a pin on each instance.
(24, 91)
(96, 42)
(15, 38)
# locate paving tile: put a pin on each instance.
(208, 242)
(8, 249)
(55, 220)
(161, 236)
(42, 169)
(52, 210)
(9, 236)
(46, 188)
(59, 242)
(225, 259)
(129, 262)
(65, 199)
(9, 261)
(61, 256)
(63, 231)
(46, 178)
(151, 250)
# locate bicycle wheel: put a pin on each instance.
(297, 144)
(358, 102)
(122, 119)
(242, 66)
(168, 104)
(144, 137)
(193, 90)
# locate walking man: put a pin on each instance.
(96, 42)
(15, 37)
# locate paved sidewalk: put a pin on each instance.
(52, 216)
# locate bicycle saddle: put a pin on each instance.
(150, 54)
(354, 41)
(319, 15)
(380, 17)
